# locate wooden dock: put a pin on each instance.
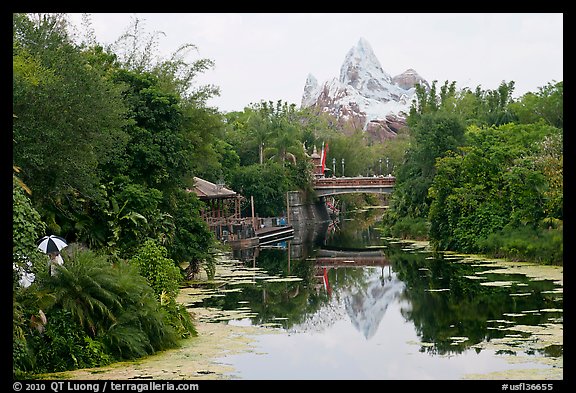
(264, 236)
(268, 235)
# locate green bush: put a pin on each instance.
(160, 271)
(64, 345)
(526, 243)
(164, 277)
(27, 227)
(112, 303)
(410, 228)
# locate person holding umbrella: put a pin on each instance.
(52, 245)
(55, 259)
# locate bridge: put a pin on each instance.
(342, 258)
(330, 259)
(325, 186)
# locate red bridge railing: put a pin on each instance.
(332, 182)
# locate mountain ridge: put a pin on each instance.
(364, 95)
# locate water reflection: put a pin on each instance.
(402, 301)
(367, 305)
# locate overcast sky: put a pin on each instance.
(268, 56)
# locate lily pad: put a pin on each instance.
(497, 283)
(284, 279)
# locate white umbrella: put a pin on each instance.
(51, 243)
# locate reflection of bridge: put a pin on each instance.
(331, 258)
(328, 259)
(347, 185)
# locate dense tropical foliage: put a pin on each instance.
(105, 143)
(485, 173)
(107, 140)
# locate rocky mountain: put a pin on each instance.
(365, 96)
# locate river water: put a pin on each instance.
(353, 304)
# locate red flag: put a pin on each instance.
(323, 156)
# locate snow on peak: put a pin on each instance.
(364, 89)
(361, 65)
(310, 91)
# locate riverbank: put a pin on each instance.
(219, 336)
(196, 358)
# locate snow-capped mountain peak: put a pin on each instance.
(365, 95)
(361, 65)
(311, 88)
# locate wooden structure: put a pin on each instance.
(222, 210)
(275, 234)
(223, 216)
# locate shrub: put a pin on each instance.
(113, 306)
(160, 271)
(64, 345)
(164, 277)
(410, 228)
(526, 243)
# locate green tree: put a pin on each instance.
(174, 138)
(492, 184)
(549, 159)
(267, 183)
(284, 130)
(209, 153)
(192, 238)
(27, 228)
(237, 133)
(174, 127)
(547, 104)
(137, 51)
(435, 134)
(496, 103)
(156, 154)
(69, 116)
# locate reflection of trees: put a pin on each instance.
(467, 307)
(284, 299)
(287, 302)
(444, 303)
(356, 233)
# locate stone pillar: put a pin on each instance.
(305, 217)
